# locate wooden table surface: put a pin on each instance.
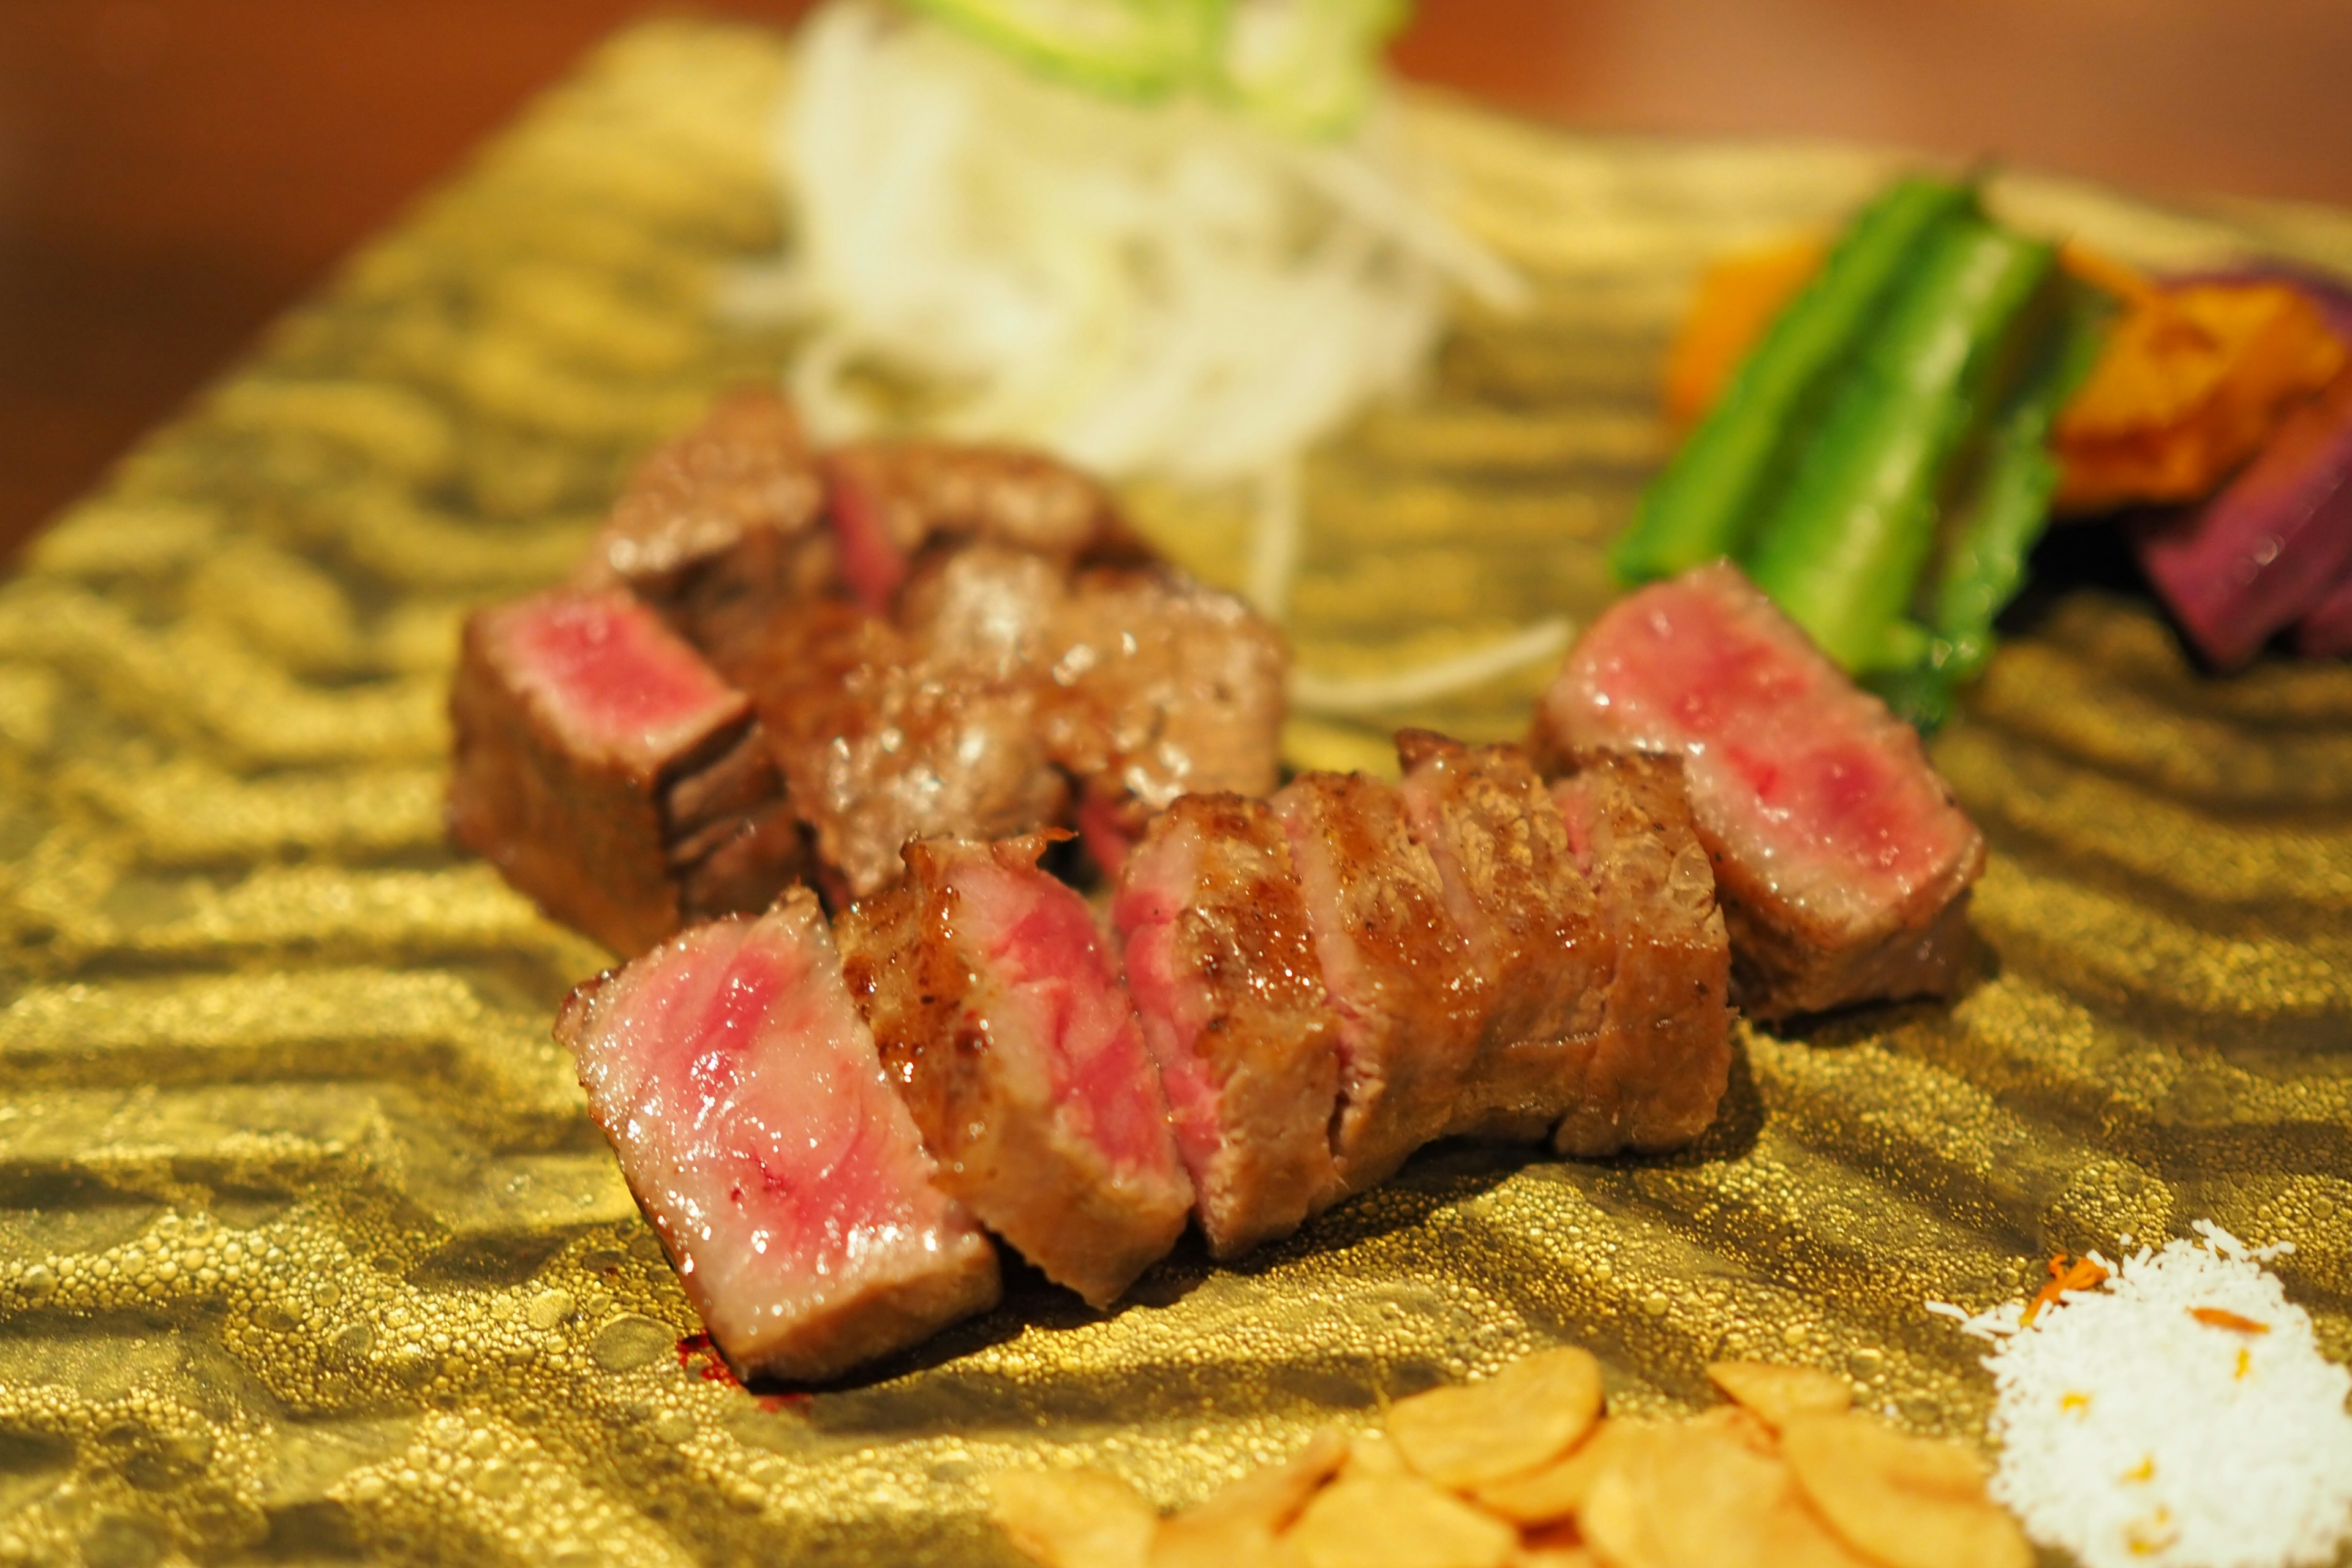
(172, 175)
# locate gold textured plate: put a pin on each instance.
(307, 1249)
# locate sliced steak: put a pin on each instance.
(890, 499)
(744, 1096)
(722, 526)
(1843, 864)
(1223, 970)
(1514, 890)
(610, 773)
(999, 1013)
(1663, 1053)
(1411, 1005)
(1160, 686)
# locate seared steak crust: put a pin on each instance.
(609, 773)
(1222, 966)
(1000, 1017)
(1532, 922)
(1411, 1005)
(722, 526)
(1663, 1054)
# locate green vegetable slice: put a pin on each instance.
(1844, 547)
(2003, 512)
(1711, 498)
(1130, 48)
(1306, 67)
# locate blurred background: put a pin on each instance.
(172, 173)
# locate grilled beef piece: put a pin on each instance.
(1223, 970)
(610, 773)
(1159, 686)
(890, 499)
(1514, 888)
(721, 527)
(744, 1098)
(1842, 862)
(1662, 1054)
(1000, 1017)
(1411, 1005)
(882, 743)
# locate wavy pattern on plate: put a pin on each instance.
(308, 1251)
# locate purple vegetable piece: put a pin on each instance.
(2265, 550)
(2326, 631)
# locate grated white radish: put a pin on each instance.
(2134, 1435)
(1156, 290)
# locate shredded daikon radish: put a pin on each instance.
(1369, 694)
(2178, 1415)
(1159, 289)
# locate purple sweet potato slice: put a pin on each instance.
(604, 765)
(746, 1102)
(2265, 551)
(1662, 1054)
(1842, 862)
(1412, 1008)
(2326, 631)
(1223, 970)
(999, 1013)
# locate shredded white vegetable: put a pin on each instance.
(1370, 694)
(1159, 289)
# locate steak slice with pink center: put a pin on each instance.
(1663, 1054)
(999, 1013)
(1843, 864)
(1398, 970)
(1225, 980)
(745, 1100)
(1534, 926)
(609, 772)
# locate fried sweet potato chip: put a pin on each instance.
(1237, 1528)
(1899, 1501)
(1523, 1418)
(1780, 1394)
(1074, 1519)
(1403, 1522)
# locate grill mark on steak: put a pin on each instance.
(1223, 973)
(609, 772)
(1843, 863)
(746, 1103)
(1002, 1019)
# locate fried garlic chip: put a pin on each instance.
(1403, 1522)
(1780, 1394)
(1560, 1547)
(1524, 1417)
(1074, 1519)
(1902, 1501)
(1697, 1495)
(1235, 1528)
(1556, 1491)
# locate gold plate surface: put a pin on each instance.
(308, 1251)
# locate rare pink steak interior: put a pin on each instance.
(745, 1102)
(610, 773)
(1223, 970)
(1843, 864)
(998, 1009)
